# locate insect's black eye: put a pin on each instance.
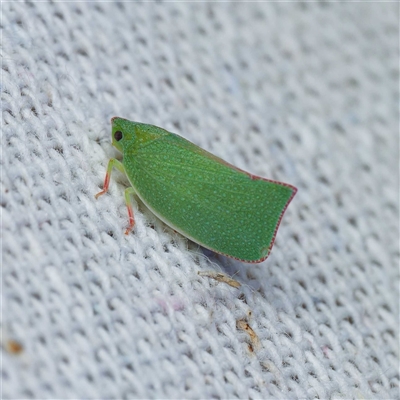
(118, 136)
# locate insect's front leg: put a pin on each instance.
(112, 163)
(128, 191)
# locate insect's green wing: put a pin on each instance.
(204, 198)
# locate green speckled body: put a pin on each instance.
(199, 195)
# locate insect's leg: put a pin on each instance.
(112, 163)
(128, 199)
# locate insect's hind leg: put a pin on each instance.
(129, 192)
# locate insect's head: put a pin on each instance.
(131, 134)
(122, 132)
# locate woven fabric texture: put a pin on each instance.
(304, 93)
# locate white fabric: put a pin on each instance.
(304, 93)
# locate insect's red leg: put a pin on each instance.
(112, 163)
(128, 199)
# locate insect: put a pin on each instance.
(206, 199)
